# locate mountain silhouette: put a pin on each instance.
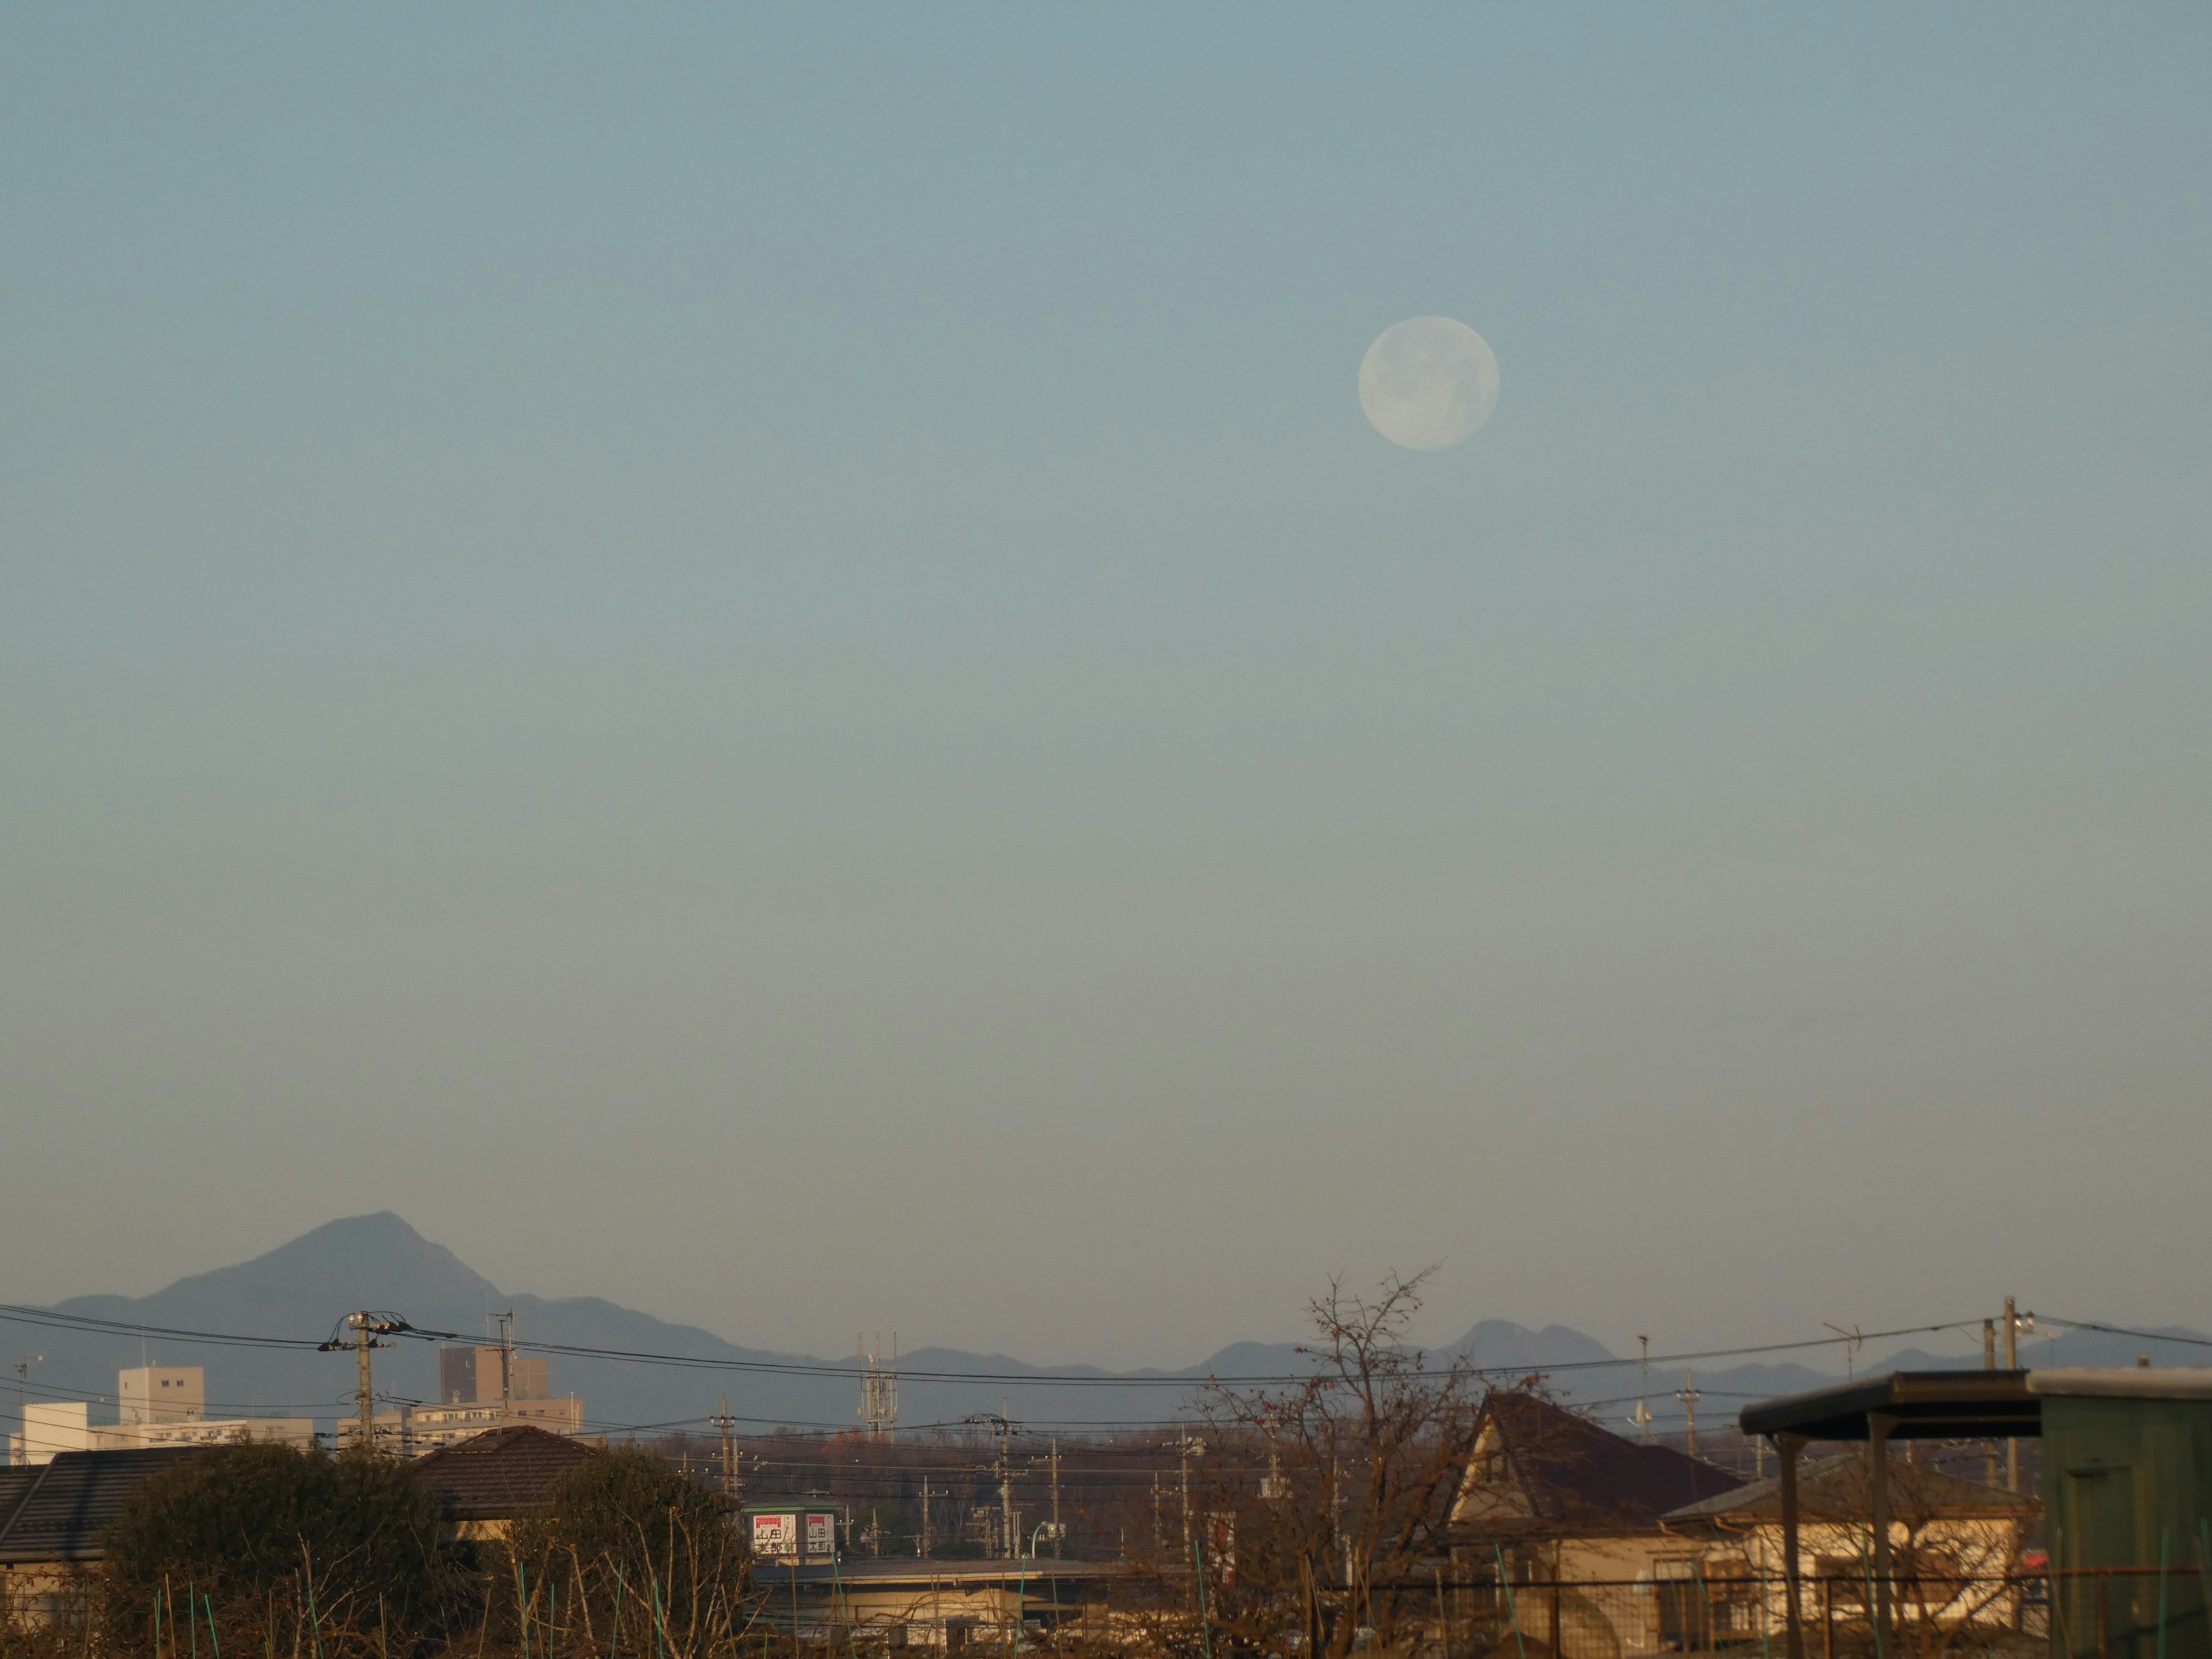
(302, 1288)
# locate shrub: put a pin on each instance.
(262, 1546)
(628, 1539)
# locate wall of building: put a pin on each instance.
(161, 1394)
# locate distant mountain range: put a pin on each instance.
(380, 1261)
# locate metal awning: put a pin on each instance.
(1909, 1406)
(1984, 1405)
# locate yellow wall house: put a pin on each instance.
(1952, 1542)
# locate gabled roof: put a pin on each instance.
(59, 1514)
(1836, 1488)
(502, 1473)
(1539, 1468)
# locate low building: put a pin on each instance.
(1565, 1523)
(487, 1483)
(1551, 1495)
(1952, 1545)
(51, 1517)
(939, 1604)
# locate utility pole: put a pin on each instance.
(1688, 1394)
(921, 1537)
(1642, 1418)
(1056, 1534)
(366, 1327)
(998, 1423)
(2014, 1323)
(506, 1364)
(23, 1363)
(1186, 1448)
(1336, 1516)
(724, 1422)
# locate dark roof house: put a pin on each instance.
(56, 1516)
(1539, 1470)
(490, 1480)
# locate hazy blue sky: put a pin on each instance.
(757, 660)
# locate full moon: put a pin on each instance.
(1428, 382)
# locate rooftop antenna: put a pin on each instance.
(1851, 1341)
(23, 1363)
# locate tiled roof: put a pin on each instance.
(501, 1473)
(1836, 1487)
(60, 1512)
(1575, 1475)
(14, 1481)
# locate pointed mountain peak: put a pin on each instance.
(357, 1261)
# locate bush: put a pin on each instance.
(260, 1545)
(626, 1539)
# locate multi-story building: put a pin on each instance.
(155, 1405)
(479, 1388)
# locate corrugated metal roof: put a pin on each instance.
(1918, 1405)
(62, 1514)
(2124, 1382)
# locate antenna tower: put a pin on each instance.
(879, 1387)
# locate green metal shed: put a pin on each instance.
(2127, 1479)
(2127, 1474)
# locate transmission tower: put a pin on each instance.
(879, 1387)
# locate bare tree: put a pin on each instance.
(1313, 1505)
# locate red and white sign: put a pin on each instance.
(776, 1534)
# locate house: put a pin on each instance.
(488, 1482)
(1952, 1545)
(1554, 1496)
(1566, 1523)
(51, 1516)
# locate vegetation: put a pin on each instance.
(1361, 1462)
(630, 1552)
(262, 1546)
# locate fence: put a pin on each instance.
(2119, 1612)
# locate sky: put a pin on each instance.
(756, 660)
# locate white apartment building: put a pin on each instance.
(155, 1405)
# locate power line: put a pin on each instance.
(1036, 1379)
